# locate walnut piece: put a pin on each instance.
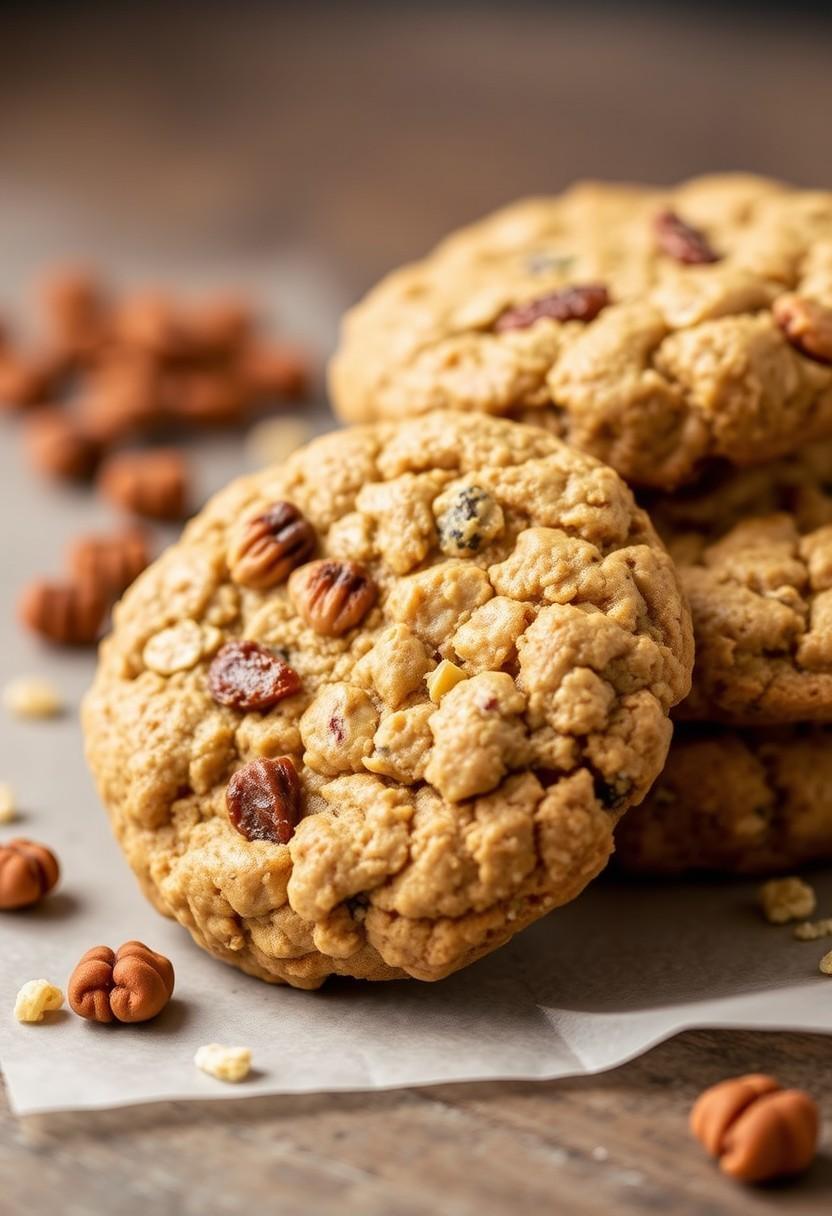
(36, 998)
(224, 1063)
(332, 597)
(270, 546)
(134, 984)
(758, 1130)
(28, 872)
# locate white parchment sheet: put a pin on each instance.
(588, 988)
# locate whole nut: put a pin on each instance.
(133, 984)
(75, 307)
(332, 596)
(110, 562)
(70, 614)
(28, 871)
(217, 328)
(263, 800)
(152, 483)
(121, 399)
(274, 373)
(681, 241)
(756, 1129)
(206, 397)
(59, 447)
(23, 381)
(150, 321)
(248, 676)
(578, 303)
(269, 547)
(807, 324)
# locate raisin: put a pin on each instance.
(263, 800)
(246, 675)
(578, 303)
(682, 241)
(331, 596)
(270, 546)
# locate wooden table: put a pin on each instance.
(364, 132)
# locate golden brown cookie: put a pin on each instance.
(744, 802)
(382, 706)
(655, 328)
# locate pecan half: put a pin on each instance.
(133, 984)
(331, 596)
(246, 675)
(111, 562)
(578, 303)
(807, 324)
(28, 871)
(68, 613)
(263, 800)
(59, 447)
(152, 483)
(270, 546)
(680, 240)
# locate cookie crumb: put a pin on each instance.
(785, 899)
(32, 697)
(8, 808)
(36, 998)
(442, 679)
(274, 439)
(224, 1063)
(811, 930)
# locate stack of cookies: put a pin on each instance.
(386, 704)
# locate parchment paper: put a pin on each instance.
(591, 986)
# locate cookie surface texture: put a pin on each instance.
(658, 329)
(382, 706)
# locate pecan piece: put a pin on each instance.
(757, 1129)
(111, 562)
(68, 613)
(680, 240)
(246, 675)
(578, 303)
(134, 984)
(28, 871)
(807, 324)
(270, 546)
(331, 596)
(263, 800)
(59, 447)
(149, 483)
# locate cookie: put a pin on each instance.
(382, 706)
(658, 329)
(743, 802)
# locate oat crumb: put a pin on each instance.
(785, 899)
(811, 930)
(32, 697)
(8, 807)
(36, 998)
(825, 963)
(224, 1063)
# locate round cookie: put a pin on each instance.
(742, 802)
(655, 328)
(382, 707)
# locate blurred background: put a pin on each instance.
(356, 134)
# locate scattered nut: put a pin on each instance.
(274, 373)
(134, 984)
(442, 679)
(270, 546)
(217, 328)
(58, 447)
(8, 809)
(807, 324)
(263, 800)
(248, 676)
(67, 613)
(207, 397)
(32, 697)
(110, 562)
(152, 483)
(578, 303)
(36, 998)
(467, 518)
(224, 1063)
(757, 1129)
(811, 930)
(331, 596)
(682, 241)
(149, 320)
(23, 381)
(28, 872)
(825, 964)
(274, 439)
(180, 647)
(74, 304)
(785, 899)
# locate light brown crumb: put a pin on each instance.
(811, 930)
(785, 899)
(274, 439)
(224, 1063)
(36, 998)
(825, 964)
(32, 697)
(8, 809)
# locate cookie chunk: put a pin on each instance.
(743, 802)
(657, 329)
(407, 742)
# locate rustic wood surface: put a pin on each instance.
(363, 132)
